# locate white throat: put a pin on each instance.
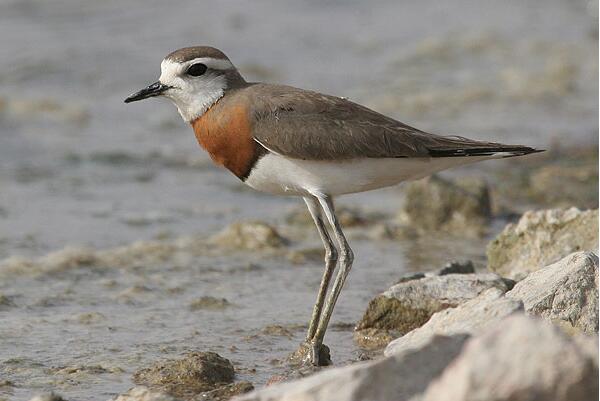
(194, 105)
(193, 96)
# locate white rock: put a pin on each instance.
(142, 393)
(410, 303)
(400, 377)
(521, 359)
(565, 292)
(540, 238)
(468, 318)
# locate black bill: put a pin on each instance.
(150, 91)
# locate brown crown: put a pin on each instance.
(190, 53)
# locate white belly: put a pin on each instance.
(283, 176)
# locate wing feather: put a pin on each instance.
(312, 126)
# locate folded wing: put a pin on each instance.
(311, 126)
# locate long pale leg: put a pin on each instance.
(346, 258)
(330, 261)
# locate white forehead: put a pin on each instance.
(170, 68)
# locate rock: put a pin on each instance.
(307, 255)
(564, 292)
(5, 301)
(348, 217)
(276, 330)
(45, 108)
(411, 277)
(209, 303)
(197, 372)
(48, 397)
(225, 392)
(372, 338)
(141, 393)
(248, 235)
(84, 370)
(541, 238)
(453, 267)
(456, 267)
(468, 318)
(578, 184)
(399, 377)
(6, 383)
(301, 357)
(90, 317)
(435, 204)
(409, 304)
(521, 359)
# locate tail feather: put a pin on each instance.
(508, 151)
(456, 146)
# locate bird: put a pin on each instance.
(295, 142)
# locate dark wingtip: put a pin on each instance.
(511, 151)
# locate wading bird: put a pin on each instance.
(289, 141)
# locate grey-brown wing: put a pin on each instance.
(312, 126)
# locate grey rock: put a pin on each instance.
(456, 267)
(408, 305)
(521, 359)
(453, 267)
(435, 204)
(565, 292)
(399, 377)
(250, 235)
(48, 397)
(540, 238)
(468, 318)
(195, 373)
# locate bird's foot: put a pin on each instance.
(311, 354)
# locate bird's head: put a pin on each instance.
(193, 78)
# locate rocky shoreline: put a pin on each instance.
(451, 334)
(524, 328)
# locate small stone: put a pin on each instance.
(226, 392)
(249, 236)
(209, 303)
(5, 301)
(195, 373)
(48, 397)
(276, 330)
(90, 317)
(142, 393)
(307, 255)
(456, 267)
(372, 338)
(301, 357)
(411, 277)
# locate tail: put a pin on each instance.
(461, 147)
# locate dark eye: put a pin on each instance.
(196, 70)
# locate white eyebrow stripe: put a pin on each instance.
(212, 63)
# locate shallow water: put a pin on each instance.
(78, 167)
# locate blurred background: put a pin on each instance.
(82, 173)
